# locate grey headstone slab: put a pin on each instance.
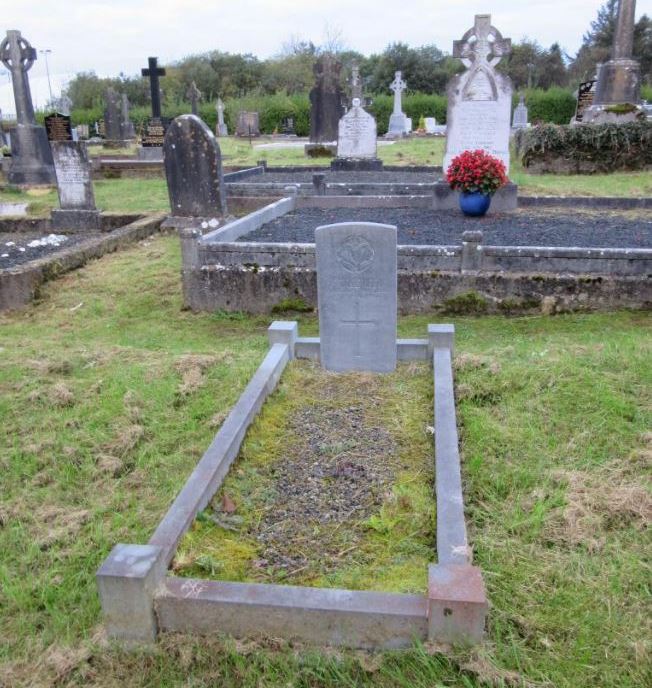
(73, 171)
(193, 168)
(357, 134)
(357, 294)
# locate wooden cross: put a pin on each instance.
(154, 72)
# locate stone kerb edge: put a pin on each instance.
(138, 599)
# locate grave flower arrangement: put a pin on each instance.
(477, 175)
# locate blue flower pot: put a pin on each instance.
(474, 204)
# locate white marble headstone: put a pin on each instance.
(479, 99)
(430, 123)
(73, 171)
(356, 291)
(356, 136)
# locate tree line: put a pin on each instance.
(426, 69)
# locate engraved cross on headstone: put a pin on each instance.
(481, 42)
(18, 56)
(194, 95)
(153, 71)
(357, 323)
(398, 86)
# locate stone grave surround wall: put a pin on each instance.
(219, 272)
(139, 599)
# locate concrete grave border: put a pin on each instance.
(139, 599)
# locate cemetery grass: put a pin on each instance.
(110, 393)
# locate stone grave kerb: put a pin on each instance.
(357, 296)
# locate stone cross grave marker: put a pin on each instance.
(356, 291)
(31, 161)
(154, 128)
(193, 168)
(398, 125)
(356, 133)
(479, 99)
(112, 115)
(519, 120)
(153, 71)
(222, 129)
(75, 188)
(194, 95)
(356, 83)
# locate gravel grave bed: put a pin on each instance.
(305, 512)
(343, 177)
(15, 247)
(523, 227)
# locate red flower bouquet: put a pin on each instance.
(476, 171)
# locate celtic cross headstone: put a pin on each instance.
(194, 96)
(31, 161)
(221, 129)
(479, 99)
(398, 120)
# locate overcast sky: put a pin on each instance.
(113, 36)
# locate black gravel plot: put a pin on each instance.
(344, 177)
(524, 227)
(14, 248)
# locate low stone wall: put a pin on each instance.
(42, 224)
(20, 285)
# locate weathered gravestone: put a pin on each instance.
(113, 119)
(247, 124)
(193, 168)
(75, 188)
(58, 127)
(585, 95)
(325, 103)
(520, 119)
(479, 99)
(154, 130)
(194, 95)
(398, 122)
(356, 141)
(221, 128)
(356, 292)
(127, 129)
(31, 157)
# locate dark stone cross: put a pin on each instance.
(18, 56)
(154, 72)
(357, 323)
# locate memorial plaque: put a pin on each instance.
(480, 99)
(154, 132)
(356, 291)
(58, 127)
(356, 134)
(585, 95)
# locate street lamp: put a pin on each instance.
(46, 52)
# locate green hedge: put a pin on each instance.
(554, 106)
(587, 148)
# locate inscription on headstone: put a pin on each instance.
(247, 124)
(356, 290)
(154, 132)
(585, 95)
(74, 186)
(58, 127)
(193, 168)
(479, 99)
(357, 134)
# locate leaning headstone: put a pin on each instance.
(221, 128)
(520, 120)
(58, 127)
(247, 124)
(398, 125)
(480, 99)
(127, 129)
(75, 188)
(154, 130)
(356, 292)
(325, 105)
(356, 141)
(31, 157)
(193, 168)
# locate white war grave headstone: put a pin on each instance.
(479, 99)
(356, 292)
